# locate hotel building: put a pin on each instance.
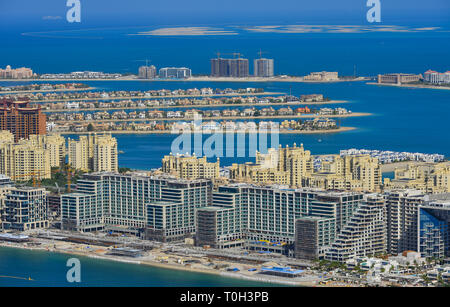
(123, 202)
(436, 77)
(264, 217)
(398, 78)
(364, 234)
(324, 76)
(18, 73)
(21, 119)
(175, 73)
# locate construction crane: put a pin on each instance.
(146, 61)
(260, 53)
(36, 181)
(70, 173)
(233, 54)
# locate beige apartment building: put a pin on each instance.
(190, 167)
(94, 152)
(56, 146)
(286, 166)
(294, 167)
(24, 160)
(398, 78)
(426, 177)
(105, 154)
(356, 173)
(322, 76)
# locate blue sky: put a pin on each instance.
(149, 12)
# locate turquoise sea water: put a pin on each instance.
(404, 119)
(49, 269)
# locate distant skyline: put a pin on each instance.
(51, 13)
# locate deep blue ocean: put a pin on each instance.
(404, 119)
(414, 120)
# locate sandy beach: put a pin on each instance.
(157, 258)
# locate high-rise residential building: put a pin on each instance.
(6, 137)
(105, 154)
(294, 167)
(175, 73)
(147, 72)
(190, 167)
(237, 68)
(263, 67)
(6, 185)
(93, 152)
(21, 119)
(121, 202)
(25, 209)
(264, 217)
(223, 224)
(286, 166)
(313, 236)
(364, 234)
(434, 228)
(337, 205)
(18, 73)
(82, 212)
(23, 160)
(80, 153)
(55, 145)
(402, 210)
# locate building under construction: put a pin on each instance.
(21, 119)
(235, 67)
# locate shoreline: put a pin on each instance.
(158, 97)
(51, 91)
(431, 87)
(341, 129)
(156, 264)
(197, 106)
(201, 79)
(356, 114)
